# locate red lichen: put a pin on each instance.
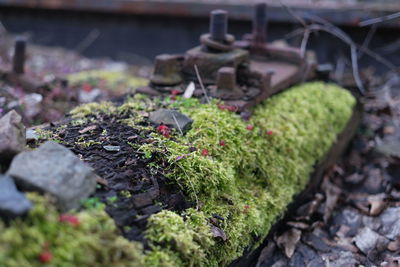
(269, 132)
(174, 92)
(222, 143)
(204, 152)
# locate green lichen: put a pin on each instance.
(94, 241)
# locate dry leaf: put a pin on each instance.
(288, 241)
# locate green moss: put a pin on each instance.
(251, 179)
(115, 80)
(85, 110)
(94, 241)
(248, 182)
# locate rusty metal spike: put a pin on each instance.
(260, 23)
(218, 25)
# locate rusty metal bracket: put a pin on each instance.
(241, 73)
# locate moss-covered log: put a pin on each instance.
(245, 172)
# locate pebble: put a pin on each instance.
(12, 202)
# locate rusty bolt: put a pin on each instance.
(218, 25)
(19, 55)
(226, 79)
(166, 70)
(260, 22)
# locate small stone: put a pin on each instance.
(367, 240)
(12, 202)
(171, 118)
(54, 169)
(112, 148)
(12, 135)
(31, 135)
(90, 96)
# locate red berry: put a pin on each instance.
(249, 127)
(45, 256)
(204, 152)
(246, 208)
(221, 106)
(269, 132)
(163, 129)
(231, 108)
(87, 87)
(71, 219)
(174, 92)
(222, 143)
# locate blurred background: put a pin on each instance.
(135, 31)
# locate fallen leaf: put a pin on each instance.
(288, 241)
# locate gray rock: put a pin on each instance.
(389, 148)
(367, 240)
(171, 118)
(12, 202)
(390, 223)
(12, 135)
(54, 169)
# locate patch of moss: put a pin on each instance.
(251, 179)
(116, 80)
(247, 181)
(85, 110)
(93, 241)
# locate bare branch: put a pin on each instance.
(379, 20)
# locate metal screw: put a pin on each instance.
(260, 22)
(218, 25)
(19, 55)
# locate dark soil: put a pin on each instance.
(131, 185)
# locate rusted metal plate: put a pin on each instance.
(340, 13)
(283, 72)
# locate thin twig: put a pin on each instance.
(293, 14)
(380, 19)
(304, 42)
(353, 49)
(177, 124)
(367, 40)
(89, 39)
(201, 83)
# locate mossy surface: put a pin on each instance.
(115, 80)
(263, 163)
(93, 240)
(242, 173)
